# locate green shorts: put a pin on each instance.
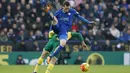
(51, 46)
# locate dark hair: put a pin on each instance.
(66, 3)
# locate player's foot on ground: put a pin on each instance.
(48, 59)
(34, 72)
(47, 71)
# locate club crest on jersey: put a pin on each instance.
(69, 13)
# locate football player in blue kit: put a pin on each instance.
(65, 18)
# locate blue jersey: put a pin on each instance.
(65, 20)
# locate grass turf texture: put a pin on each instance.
(66, 69)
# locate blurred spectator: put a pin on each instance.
(22, 36)
(20, 60)
(122, 26)
(95, 29)
(11, 35)
(13, 7)
(39, 35)
(95, 46)
(78, 60)
(115, 11)
(58, 5)
(7, 20)
(127, 16)
(22, 27)
(120, 46)
(38, 7)
(99, 35)
(107, 46)
(26, 9)
(15, 28)
(124, 4)
(90, 36)
(84, 34)
(116, 21)
(126, 36)
(20, 19)
(4, 6)
(45, 21)
(33, 27)
(5, 30)
(31, 36)
(33, 14)
(38, 23)
(108, 21)
(22, 46)
(74, 27)
(114, 31)
(46, 27)
(35, 46)
(3, 36)
(45, 37)
(1, 10)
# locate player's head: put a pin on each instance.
(66, 6)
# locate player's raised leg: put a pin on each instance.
(60, 47)
(63, 40)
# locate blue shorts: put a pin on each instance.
(63, 37)
(61, 31)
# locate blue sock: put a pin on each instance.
(57, 50)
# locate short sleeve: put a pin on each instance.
(57, 13)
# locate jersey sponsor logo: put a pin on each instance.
(66, 19)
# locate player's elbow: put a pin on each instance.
(55, 21)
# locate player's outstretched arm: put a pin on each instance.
(54, 19)
(82, 18)
(85, 20)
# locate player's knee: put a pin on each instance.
(44, 53)
(53, 60)
(63, 43)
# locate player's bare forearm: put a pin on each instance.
(85, 20)
(54, 19)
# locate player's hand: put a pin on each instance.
(84, 45)
(92, 22)
(47, 7)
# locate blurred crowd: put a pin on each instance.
(25, 19)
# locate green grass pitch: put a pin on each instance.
(66, 69)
